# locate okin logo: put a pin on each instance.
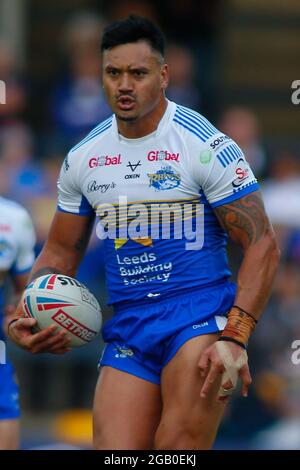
(2, 92)
(2, 353)
(152, 221)
(296, 94)
(295, 358)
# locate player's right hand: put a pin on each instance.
(47, 340)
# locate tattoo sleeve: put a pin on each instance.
(244, 220)
(247, 224)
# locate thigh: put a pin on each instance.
(9, 434)
(127, 411)
(188, 421)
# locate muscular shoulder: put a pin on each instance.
(202, 139)
(216, 162)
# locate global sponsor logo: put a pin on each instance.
(105, 160)
(164, 179)
(72, 325)
(218, 141)
(93, 187)
(242, 172)
(160, 155)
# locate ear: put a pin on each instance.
(164, 76)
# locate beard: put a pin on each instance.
(126, 118)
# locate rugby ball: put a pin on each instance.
(66, 302)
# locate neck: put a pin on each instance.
(145, 124)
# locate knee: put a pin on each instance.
(181, 438)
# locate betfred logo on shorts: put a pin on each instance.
(104, 160)
(159, 155)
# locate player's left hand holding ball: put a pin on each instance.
(49, 340)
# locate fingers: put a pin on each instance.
(203, 364)
(56, 342)
(246, 379)
(212, 376)
(47, 340)
(25, 323)
(42, 335)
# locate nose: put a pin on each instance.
(125, 84)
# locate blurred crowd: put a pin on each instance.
(30, 159)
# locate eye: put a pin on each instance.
(113, 72)
(139, 73)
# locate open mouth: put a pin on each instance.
(126, 103)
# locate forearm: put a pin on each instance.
(247, 224)
(255, 280)
(256, 275)
(54, 259)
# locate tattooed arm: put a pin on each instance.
(67, 241)
(247, 224)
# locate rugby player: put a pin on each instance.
(17, 239)
(176, 344)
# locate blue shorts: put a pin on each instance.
(143, 338)
(9, 393)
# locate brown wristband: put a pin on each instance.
(247, 313)
(239, 326)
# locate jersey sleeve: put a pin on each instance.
(25, 250)
(223, 172)
(70, 197)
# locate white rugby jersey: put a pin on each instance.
(17, 240)
(186, 164)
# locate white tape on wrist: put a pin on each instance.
(232, 366)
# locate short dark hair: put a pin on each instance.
(132, 29)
